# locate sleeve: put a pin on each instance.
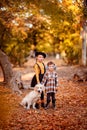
(37, 71)
(56, 80)
(44, 79)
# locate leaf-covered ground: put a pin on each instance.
(71, 105)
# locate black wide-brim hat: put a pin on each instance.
(40, 53)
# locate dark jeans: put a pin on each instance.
(49, 96)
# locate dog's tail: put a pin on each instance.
(22, 104)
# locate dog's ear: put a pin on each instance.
(36, 87)
(43, 88)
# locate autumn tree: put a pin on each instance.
(45, 24)
(50, 25)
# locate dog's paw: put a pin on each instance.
(27, 108)
(34, 108)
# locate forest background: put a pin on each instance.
(53, 26)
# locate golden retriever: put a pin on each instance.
(31, 98)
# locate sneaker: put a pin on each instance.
(54, 107)
(46, 107)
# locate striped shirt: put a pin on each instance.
(50, 81)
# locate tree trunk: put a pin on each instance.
(8, 73)
(6, 67)
(84, 40)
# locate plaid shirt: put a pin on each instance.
(50, 81)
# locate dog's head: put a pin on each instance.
(39, 88)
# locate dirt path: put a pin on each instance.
(71, 104)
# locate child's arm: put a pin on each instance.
(37, 71)
(44, 79)
(56, 80)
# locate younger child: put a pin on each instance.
(50, 81)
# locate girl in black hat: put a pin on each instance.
(39, 68)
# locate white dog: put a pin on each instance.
(32, 97)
